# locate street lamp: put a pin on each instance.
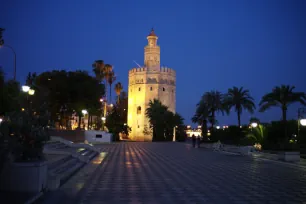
(14, 59)
(303, 122)
(31, 92)
(254, 124)
(84, 112)
(301, 119)
(25, 88)
(218, 127)
(103, 121)
(1, 120)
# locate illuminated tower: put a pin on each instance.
(147, 83)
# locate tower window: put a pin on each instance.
(138, 110)
(164, 89)
(139, 89)
(151, 88)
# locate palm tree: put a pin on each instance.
(107, 73)
(239, 99)
(102, 72)
(282, 96)
(156, 113)
(214, 102)
(98, 67)
(118, 89)
(110, 79)
(201, 116)
(30, 79)
(1, 37)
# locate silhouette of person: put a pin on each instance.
(193, 140)
(198, 141)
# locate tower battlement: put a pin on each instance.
(145, 69)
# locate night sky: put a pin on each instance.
(212, 45)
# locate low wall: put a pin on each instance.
(75, 136)
(98, 136)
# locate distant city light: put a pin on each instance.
(218, 127)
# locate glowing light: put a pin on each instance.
(218, 127)
(124, 124)
(1, 120)
(101, 99)
(25, 88)
(199, 126)
(188, 126)
(303, 122)
(22, 109)
(103, 118)
(84, 112)
(111, 105)
(254, 125)
(31, 92)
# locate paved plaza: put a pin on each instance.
(177, 173)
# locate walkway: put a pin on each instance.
(176, 173)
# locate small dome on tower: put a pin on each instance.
(152, 33)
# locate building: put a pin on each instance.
(147, 83)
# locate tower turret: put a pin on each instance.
(152, 52)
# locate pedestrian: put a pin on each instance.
(193, 140)
(198, 141)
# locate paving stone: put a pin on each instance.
(175, 173)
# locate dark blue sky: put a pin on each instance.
(212, 44)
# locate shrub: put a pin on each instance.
(249, 140)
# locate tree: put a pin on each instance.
(214, 102)
(282, 96)
(98, 67)
(111, 78)
(118, 89)
(201, 116)
(156, 113)
(239, 99)
(9, 95)
(68, 91)
(260, 132)
(116, 123)
(30, 78)
(102, 72)
(162, 121)
(1, 36)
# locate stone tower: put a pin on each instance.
(147, 83)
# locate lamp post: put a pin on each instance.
(103, 121)
(14, 59)
(30, 92)
(301, 120)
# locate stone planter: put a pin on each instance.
(24, 177)
(246, 150)
(289, 156)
